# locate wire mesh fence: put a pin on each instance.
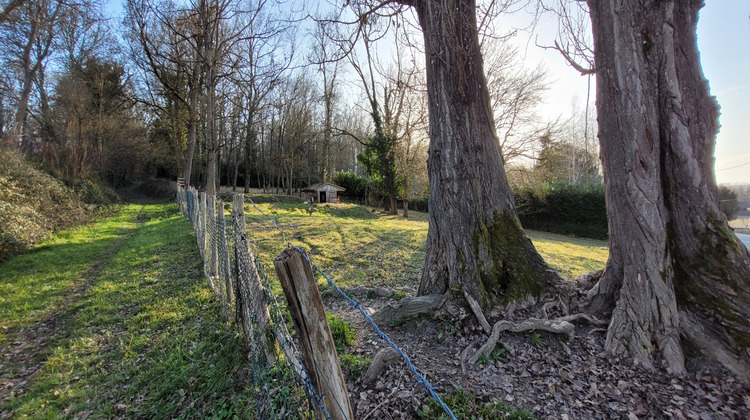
(282, 385)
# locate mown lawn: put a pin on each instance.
(137, 334)
(358, 246)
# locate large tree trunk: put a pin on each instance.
(675, 268)
(475, 244)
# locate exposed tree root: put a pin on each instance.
(559, 325)
(553, 326)
(409, 307)
(474, 305)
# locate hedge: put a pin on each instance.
(570, 209)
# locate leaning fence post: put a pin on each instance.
(309, 316)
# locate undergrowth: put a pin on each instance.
(34, 204)
(343, 334)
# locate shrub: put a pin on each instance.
(728, 202)
(93, 192)
(356, 186)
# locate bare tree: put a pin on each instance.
(328, 66)
(266, 51)
(165, 43)
(27, 38)
(9, 8)
(515, 93)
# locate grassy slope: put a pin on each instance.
(138, 334)
(33, 204)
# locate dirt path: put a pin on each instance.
(32, 345)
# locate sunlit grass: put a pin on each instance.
(146, 339)
(569, 255)
(34, 285)
(358, 246)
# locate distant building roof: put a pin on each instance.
(322, 185)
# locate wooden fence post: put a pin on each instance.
(309, 316)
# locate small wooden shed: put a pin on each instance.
(323, 193)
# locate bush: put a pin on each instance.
(93, 192)
(569, 209)
(728, 202)
(419, 204)
(356, 186)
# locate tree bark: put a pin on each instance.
(675, 269)
(192, 120)
(475, 243)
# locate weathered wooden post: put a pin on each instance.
(225, 272)
(309, 316)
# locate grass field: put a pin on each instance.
(114, 319)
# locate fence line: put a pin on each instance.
(240, 282)
(421, 379)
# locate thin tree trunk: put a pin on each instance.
(475, 242)
(192, 122)
(679, 270)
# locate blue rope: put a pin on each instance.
(421, 379)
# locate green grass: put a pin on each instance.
(466, 405)
(347, 241)
(343, 335)
(358, 247)
(570, 256)
(137, 334)
(141, 337)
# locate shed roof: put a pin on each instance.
(320, 186)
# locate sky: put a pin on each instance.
(724, 45)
